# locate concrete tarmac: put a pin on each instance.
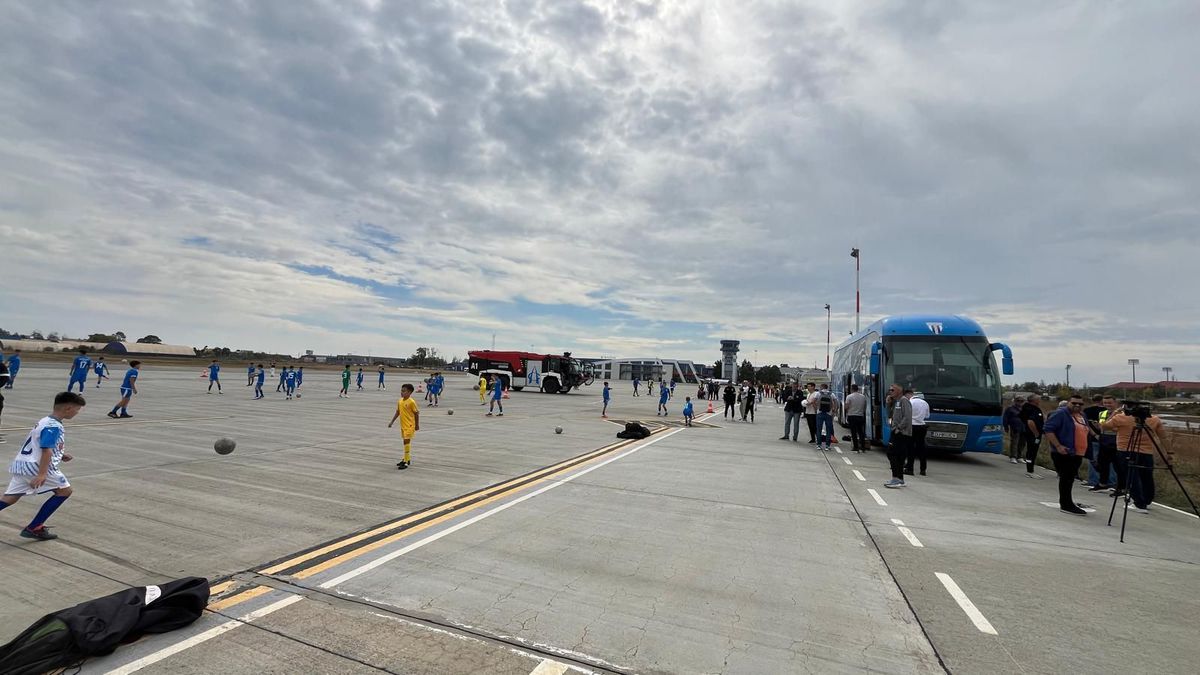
(507, 548)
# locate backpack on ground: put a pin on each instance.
(67, 637)
(634, 430)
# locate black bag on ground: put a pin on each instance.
(69, 636)
(634, 430)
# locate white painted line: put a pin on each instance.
(1172, 508)
(859, 475)
(155, 657)
(548, 667)
(837, 449)
(963, 601)
(383, 560)
(908, 534)
(878, 499)
(847, 461)
(897, 521)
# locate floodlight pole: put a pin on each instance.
(827, 336)
(1068, 376)
(857, 255)
(1133, 363)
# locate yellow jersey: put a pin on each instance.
(407, 408)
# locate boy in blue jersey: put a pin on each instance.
(688, 412)
(35, 469)
(435, 388)
(497, 395)
(79, 370)
(260, 377)
(101, 369)
(672, 388)
(637, 387)
(128, 389)
(663, 395)
(359, 381)
(607, 396)
(381, 385)
(214, 370)
(289, 381)
(250, 374)
(14, 366)
(299, 377)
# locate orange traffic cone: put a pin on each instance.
(710, 408)
(420, 388)
(203, 374)
(505, 394)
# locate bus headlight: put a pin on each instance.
(991, 428)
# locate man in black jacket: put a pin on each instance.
(730, 397)
(793, 411)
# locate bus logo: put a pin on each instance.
(934, 327)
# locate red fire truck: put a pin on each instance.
(549, 373)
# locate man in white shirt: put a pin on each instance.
(920, 413)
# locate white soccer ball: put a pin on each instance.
(450, 412)
(558, 430)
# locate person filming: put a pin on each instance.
(1140, 458)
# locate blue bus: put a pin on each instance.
(945, 357)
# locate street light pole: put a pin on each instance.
(1167, 370)
(854, 253)
(1133, 363)
(827, 336)
(1068, 376)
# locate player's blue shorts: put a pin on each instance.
(126, 392)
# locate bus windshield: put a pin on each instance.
(946, 369)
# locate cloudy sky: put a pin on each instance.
(618, 178)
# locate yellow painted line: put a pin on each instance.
(501, 488)
(367, 548)
(220, 588)
(239, 598)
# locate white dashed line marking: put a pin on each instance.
(878, 499)
(837, 449)
(908, 534)
(965, 603)
(548, 667)
(859, 475)
(847, 461)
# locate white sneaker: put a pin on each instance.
(1013, 460)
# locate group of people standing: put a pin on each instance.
(1101, 434)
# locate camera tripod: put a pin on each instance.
(1131, 453)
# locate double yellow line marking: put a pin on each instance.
(406, 526)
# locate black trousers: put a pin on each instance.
(917, 449)
(1067, 467)
(1032, 445)
(1105, 459)
(897, 453)
(1141, 485)
(858, 431)
(729, 407)
(811, 419)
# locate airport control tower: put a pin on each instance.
(729, 350)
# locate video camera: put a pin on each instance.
(1140, 410)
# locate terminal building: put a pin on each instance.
(677, 370)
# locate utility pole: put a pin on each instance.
(854, 253)
(1133, 363)
(1167, 370)
(827, 336)
(1068, 376)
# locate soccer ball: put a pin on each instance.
(450, 412)
(224, 446)
(558, 430)
(297, 395)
